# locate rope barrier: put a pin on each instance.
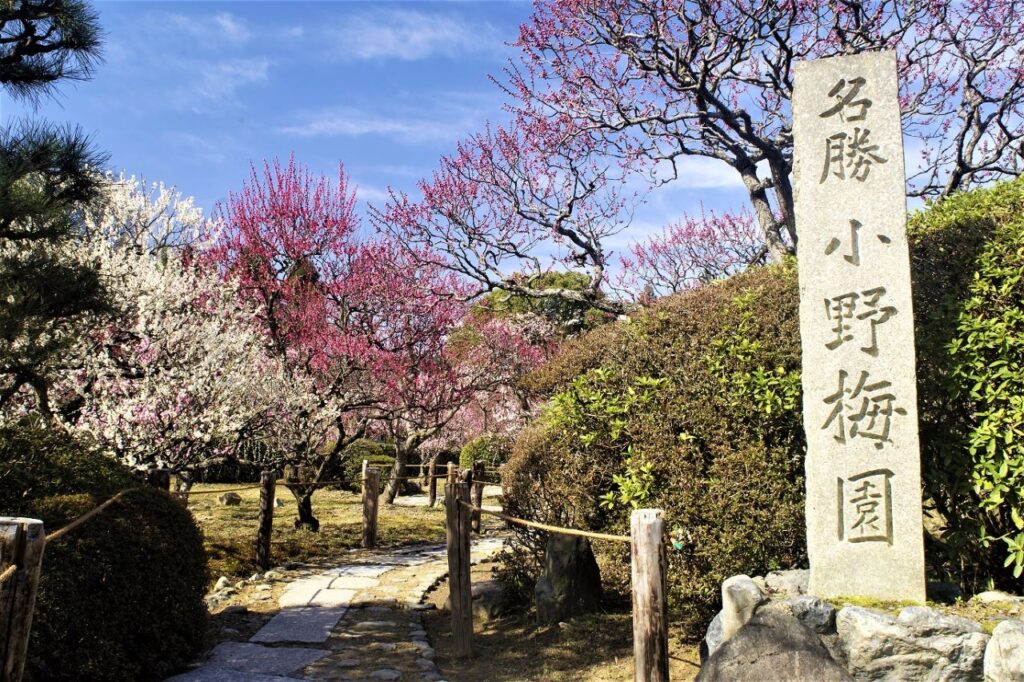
(8, 572)
(58, 534)
(550, 529)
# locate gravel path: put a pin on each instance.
(354, 622)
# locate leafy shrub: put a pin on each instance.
(690, 406)
(969, 298)
(371, 450)
(120, 597)
(694, 406)
(492, 449)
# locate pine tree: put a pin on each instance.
(47, 173)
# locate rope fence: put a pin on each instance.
(551, 529)
(95, 511)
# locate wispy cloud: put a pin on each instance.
(411, 35)
(218, 82)
(213, 30)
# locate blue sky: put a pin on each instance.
(191, 92)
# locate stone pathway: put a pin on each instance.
(356, 622)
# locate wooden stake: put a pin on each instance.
(371, 491)
(650, 622)
(457, 518)
(21, 545)
(453, 473)
(476, 499)
(432, 480)
(268, 487)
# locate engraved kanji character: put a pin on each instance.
(843, 101)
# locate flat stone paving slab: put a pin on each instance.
(253, 658)
(307, 624)
(353, 582)
(333, 598)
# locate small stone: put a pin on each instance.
(230, 632)
(425, 664)
(273, 575)
(229, 499)
(264, 588)
(373, 625)
(1004, 655)
(346, 663)
(222, 582)
(996, 597)
(788, 583)
(235, 610)
(385, 674)
(254, 578)
(278, 502)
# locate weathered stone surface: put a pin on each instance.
(864, 519)
(306, 624)
(278, 502)
(571, 583)
(790, 583)
(817, 615)
(1004, 655)
(740, 597)
(490, 599)
(229, 499)
(996, 597)
(712, 638)
(920, 644)
(253, 658)
(211, 674)
(772, 646)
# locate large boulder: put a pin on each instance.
(1004, 655)
(919, 644)
(740, 598)
(571, 583)
(772, 646)
(790, 583)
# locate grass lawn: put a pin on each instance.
(230, 532)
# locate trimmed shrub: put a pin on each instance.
(492, 449)
(375, 453)
(694, 406)
(121, 597)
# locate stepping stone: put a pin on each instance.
(368, 571)
(308, 624)
(210, 674)
(253, 658)
(385, 674)
(332, 598)
(353, 582)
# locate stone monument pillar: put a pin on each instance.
(864, 528)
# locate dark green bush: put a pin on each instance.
(492, 449)
(694, 406)
(121, 597)
(370, 450)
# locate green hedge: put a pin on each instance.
(693, 406)
(121, 597)
(370, 450)
(492, 449)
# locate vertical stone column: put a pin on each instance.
(864, 528)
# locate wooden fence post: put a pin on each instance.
(476, 499)
(453, 474)
(268, 487)
(457, 522)
(432, 481)
(21, 545)
(371, 491)
(650, 622)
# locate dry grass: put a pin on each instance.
(230, 532)
(595, 648)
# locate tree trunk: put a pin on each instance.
(397, 472)
(303, 497)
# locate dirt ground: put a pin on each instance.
(596, 648)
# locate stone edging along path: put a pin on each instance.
(355, 622)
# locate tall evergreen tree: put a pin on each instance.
(47, 173)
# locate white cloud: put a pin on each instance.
(211, 30)
(218, 82)
(371, 194)
(231, 29)
(411, 35)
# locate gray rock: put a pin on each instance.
(772, 646)
(920, 644)
(571, 583)
(788, 583)
(740, 597)
(229, 499)
(817, 615)
(712, 638)
(278, 502)
(235, 610)
(1004, 655)
(996, 597)
(490, 599)
(385, 674)
(222, 582)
